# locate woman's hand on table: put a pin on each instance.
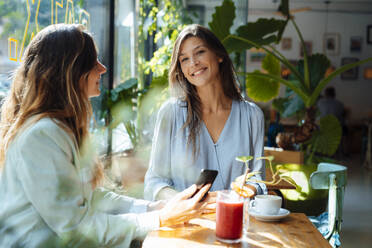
(182, 208)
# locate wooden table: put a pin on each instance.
(293, 231)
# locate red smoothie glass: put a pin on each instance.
(229, 216)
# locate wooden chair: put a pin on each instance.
(332, 177)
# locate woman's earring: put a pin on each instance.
(220, 60)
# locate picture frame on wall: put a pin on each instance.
(308, 47)
(369, 34)
(355, 43)
(286, 43)
(351, 74)
(331, 44)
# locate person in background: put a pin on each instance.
(329, 105)
(275, 127)
(207, 124)
(49, 179)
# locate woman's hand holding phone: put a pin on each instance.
(205, 177)
(184, 206)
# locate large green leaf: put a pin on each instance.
(281, 30)
(284, 8)
(262, 32)
(293, 106)
(318, 64)
(222, 19)
(297, 84)
(328, 137)
(290, 84)
(259, 30)
(279, 104)
(271, 65)
(263, 89)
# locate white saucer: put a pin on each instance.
(264, 217)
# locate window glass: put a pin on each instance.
(124, 41)
(20, 20)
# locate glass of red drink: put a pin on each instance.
(229, 216)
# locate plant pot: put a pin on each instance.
(309, 201)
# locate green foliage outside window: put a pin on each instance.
(133, 101)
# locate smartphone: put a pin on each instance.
(205, 177)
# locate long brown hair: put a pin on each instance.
(47, 84)
(183, 89)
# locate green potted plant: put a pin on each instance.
(304, 86)
(277, 176)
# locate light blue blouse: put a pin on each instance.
(172, 163)
(46, 199)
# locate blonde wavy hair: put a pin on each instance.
(48, 84)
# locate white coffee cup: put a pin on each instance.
(266, 204)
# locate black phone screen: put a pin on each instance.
(205, 177)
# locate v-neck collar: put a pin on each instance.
(226, 126)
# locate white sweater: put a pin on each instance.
(46, 199)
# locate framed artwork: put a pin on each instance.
(368, 73)
(355, 44)
(257, 55)
(331, 44)
(287, 43)
(351, 74)
(308, 47)
(369, 34)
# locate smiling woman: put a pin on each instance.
(198, 63)
(206, 124)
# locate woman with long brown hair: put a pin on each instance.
(207, 124)
(49, 178)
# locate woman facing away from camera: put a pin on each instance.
(49, 178)
(207, 124)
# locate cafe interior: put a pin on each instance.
(325, 179)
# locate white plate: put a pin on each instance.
(263, 217)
